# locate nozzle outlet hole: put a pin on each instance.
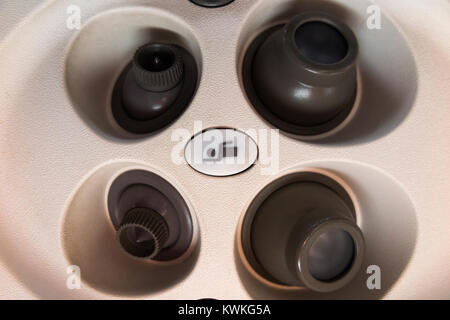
(138, 242)
(321, 42)
(155, 59)
(331, 255)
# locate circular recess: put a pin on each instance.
(98, 59)
(389, 240)
(287, 229)
(211, 3)
(136, 250)
(302, 76)
(330, 38)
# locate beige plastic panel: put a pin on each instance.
(395, 158)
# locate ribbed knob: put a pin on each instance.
(143, 233)
(158, 67)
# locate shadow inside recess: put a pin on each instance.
(386, 64)
(389, 224)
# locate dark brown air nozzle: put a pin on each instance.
(143, 233)
(151, 218)
(301, 76)
(301, 231)
(152, 85)
(155, 88)
(158, 67)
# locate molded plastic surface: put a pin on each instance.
(55, 135)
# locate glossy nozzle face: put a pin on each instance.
(320, 42)
(331, 255)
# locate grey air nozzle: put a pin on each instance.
(157, 67)
(143, 232)
(155, 88)
(152, 85)
(300, 230)
(151, 218)
(301, 76)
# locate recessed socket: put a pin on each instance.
(301, 231)
(302, 76)
(151, 218)
(331, 70)
(110, 92)
(155, 88)
(130, 230)
(370, 202)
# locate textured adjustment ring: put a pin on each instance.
(158, 67)
(143, 232)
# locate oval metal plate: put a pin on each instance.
(221, 152)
